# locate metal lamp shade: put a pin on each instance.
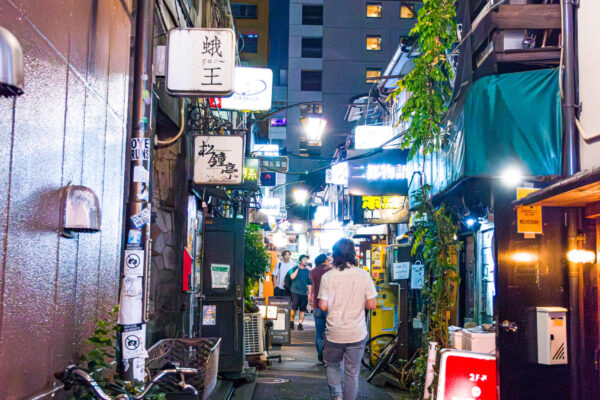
(11, 65)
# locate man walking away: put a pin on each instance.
(345, 292)
(322, 266)
(301, 286)
(279, 273)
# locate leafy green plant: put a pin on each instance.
(256, 257)
(427, 82)
(100, 363)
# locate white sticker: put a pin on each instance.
(140, 149)
(401, 270)
(139, 369)
(134, 342)
(134, 236)
(134, 262)
(130, 304)
(140, 174)
(142, 218)
(144, 192)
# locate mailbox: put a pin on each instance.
(548, 335)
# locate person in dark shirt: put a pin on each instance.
(301, 287)
(322, 266)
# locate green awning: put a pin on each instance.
(514, 119)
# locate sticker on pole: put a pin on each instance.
(134, 262)
(140, 149)
(134, 341)
(466, 375)
(142, 218)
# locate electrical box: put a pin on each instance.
(548, 336)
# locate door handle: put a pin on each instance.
(239, 298)
(509, 326)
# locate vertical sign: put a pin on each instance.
(218, 160)
(200, 62)
(529, 218)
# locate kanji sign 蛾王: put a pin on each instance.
(200, 62)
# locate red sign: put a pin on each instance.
(215, 102)
(467, 376)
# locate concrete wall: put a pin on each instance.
(589, 81)
(69, 126)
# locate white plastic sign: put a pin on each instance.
(218, 160)
(252, 90)
(200, 62)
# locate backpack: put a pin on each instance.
(287, 284)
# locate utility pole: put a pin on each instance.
(136, 234)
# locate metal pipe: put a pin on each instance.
(570, 162)
(137, 211)
(574, 316)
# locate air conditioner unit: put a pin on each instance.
(254, 334)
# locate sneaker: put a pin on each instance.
(292, 325)
(300, 327)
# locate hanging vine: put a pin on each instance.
(434, 228)
(427, 83)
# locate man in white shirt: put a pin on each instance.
(345, 293)
(279, 273)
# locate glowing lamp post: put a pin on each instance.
(313, 125)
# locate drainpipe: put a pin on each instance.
(571, 166)
(136, 257)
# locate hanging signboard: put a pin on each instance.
(251, 172)
(270, 206)
(200, 62)
(529, 218)
(466, 375)
(372, 136)
(381, 174)
(275, 164)
(218, 160)
(377, 210)
(252, 91)
(337, 174)
(417, 275)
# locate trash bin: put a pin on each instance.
(199, 353)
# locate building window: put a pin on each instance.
(312, 47)
(310, 80)
(248, 43)
(241, 10)
(407, 12)
(312, 15)
(374, 42)
(374, 10)
(373, 75)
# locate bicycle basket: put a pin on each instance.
(199, 353)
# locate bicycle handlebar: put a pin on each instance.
(73, 374)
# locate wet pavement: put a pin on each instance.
(300, 377)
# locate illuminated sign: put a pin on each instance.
(372, 136)
(337, 174)
(270, 206)
(251, 172)
(382, 210)
(200, 62)
(466, 375)
(382, 174)
(252, 91)
(265, 150)
(276, 164)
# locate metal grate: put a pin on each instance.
(253, 334)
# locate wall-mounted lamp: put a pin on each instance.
(80, 211)
(11, 65)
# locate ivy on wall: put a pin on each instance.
(427, 82)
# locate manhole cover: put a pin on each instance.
(271, 380)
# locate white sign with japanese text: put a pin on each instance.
(218, 160)
(252, 91)
(200, 62)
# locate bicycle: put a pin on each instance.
(74, 375)
(374, 348)
(381, 355)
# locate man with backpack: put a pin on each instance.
(301, 288)
(280, 272)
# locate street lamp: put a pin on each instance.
(313, 125)
(300, 196)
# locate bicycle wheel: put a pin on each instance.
(374, 348)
